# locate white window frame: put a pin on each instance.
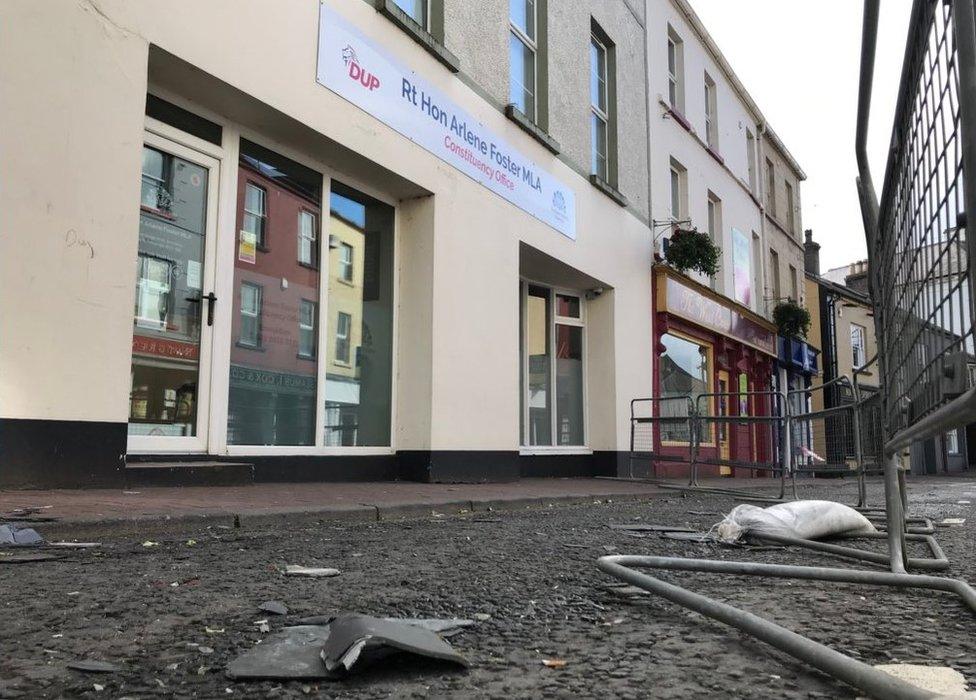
(790, 214)
(345, 337)
(346, 266)
(307, 328)
(533, 45)
(675, 64)
(679, 194)
(260, 237)
(770, 187)
(751, 159)
(858, 345)
(554, 320)
(713, 209)
(308, 240)
(711, 113)
(601, 113)
(256, 314)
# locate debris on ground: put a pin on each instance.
(942, 681)
(314, 572)
(14, 535)
(93, 666)
(807, 520)
(75, 545)
(274, 607)
(554, 663)
(948, 522)
(650, 528)
(361, 639)
(150, 543)
(298, 652)
(27, 558)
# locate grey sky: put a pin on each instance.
(799, 59)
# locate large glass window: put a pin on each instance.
(522, 56)
(552, 340)
(684, 371)
(676, 92)
(858, 355)
(273, 368)
(359, 358)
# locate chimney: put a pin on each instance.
(811, 253)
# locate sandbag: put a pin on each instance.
(809, 520)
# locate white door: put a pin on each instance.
(175, 305)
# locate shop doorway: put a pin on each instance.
(174, 301)
(723, 427)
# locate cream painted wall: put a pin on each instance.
(71, 162)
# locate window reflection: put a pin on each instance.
(273, 376)
(359, 354)
(684, 371)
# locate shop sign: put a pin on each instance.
(164, 347)
(355, 68)
(692, 305)
(261, 378)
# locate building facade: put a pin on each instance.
(709, 144)
(391, 239)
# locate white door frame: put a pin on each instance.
(198, 443)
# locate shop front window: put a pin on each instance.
(359, 359)
(685, 371)
(273, 369)
(552, 347)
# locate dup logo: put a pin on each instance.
(559, 202)
(356, 71)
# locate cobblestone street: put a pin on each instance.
(527, 576)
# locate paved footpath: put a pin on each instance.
(339, 501)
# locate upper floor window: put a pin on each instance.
(417, 10)
(306, 237)
(676, 61)
(790, 214)
(345, 262)
(523, 53)
(256, 213)
(679, 191)
(251, 298)
(770, 187)
(306, 329)
(751, 158)
(794, 285)
(711, 114)
(714, 211)
(857, 345)
(774, 276)
(599, 109)
(343, 330)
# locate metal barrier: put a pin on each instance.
(923, 293)
(670, 418)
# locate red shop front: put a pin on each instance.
(718, 353)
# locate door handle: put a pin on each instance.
(211, 302)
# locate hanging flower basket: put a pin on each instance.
(791, 319)
(693, 250)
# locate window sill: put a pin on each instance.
(608, 189)
(308, 266)
(388, 9)
(245, 346)
(714, 154)
(554, 450)
(310, 358)
(531, 128)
